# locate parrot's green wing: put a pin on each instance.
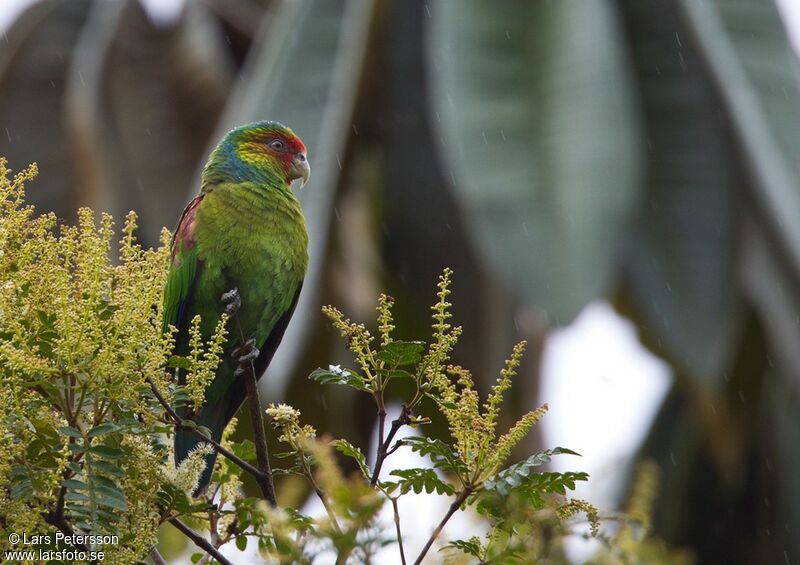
(183, 270)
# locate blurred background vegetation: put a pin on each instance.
(553, 153)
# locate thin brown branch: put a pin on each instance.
(397, 528)
(70, 399)
(383, 450)
(233, 303)
(264, 480)
(381, 431)
(56, 516)
(58, 513)
(156, 557)
(462, 496)
(200, 541)
(397, 445)
(320, 494)
(180, 424)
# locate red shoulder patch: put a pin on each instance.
(184, 233)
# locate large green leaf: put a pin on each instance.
(421, 228)
(34, 63)
(143, 102)
(745, 47)
(682, 256)
(305, 74)
(754, 78)
(540, 139)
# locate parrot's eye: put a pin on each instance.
(277, 144)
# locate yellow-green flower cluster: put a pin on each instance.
(187, 475)
(288, 546)
(473, 429)
(358, 339)
(70, 315)
(503, 446)
(385, 320)
(445, 337)
(80, 336)
(231, 488)
(633, 542)
(287, 420)
(645, 490)
(141, 484)
(204, 358)
(576, 505)
(352, 501)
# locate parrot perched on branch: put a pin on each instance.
(242, 239)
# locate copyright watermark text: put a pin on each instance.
(57, 546)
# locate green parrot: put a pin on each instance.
(240, 247)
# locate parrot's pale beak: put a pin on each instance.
(300, 168)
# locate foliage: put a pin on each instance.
(82, 435)
(87, 414)
(78, 337)
(469, 465)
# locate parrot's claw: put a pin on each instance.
(244, 355)
(232, 300)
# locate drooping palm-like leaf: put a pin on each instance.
(422, 228)
(540, 142)
(682, 253)
(757, 75)
(34, 65)
(741, 52)
(143, 101)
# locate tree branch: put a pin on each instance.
(264, 479)
(247, 370)
(383, 451)
(56, 517)
(64, 527)
(397, 528)
(200, 541)
(179, 424)
(462, 496)
(156, 557)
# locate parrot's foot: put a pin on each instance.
(232, 300)
(244, 355)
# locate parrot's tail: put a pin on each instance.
(213, 417)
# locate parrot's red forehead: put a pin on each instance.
(295, 144)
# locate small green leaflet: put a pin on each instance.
(106, 428)
(335, 375)
(472, 546)
(440, 453)
(402, 353)
(70, 431)
(179, 362)
(419, 479)
(514, 476)
(345, 447)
